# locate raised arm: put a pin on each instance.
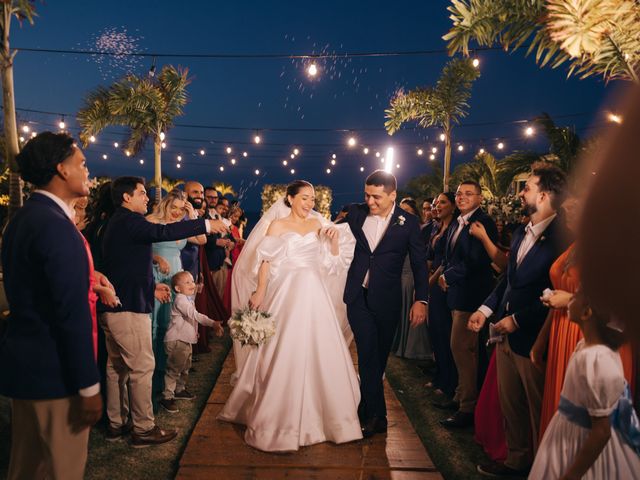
(498, 257)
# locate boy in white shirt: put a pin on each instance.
(181, 334)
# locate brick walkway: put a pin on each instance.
(217, 450)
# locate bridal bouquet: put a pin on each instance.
(251, 327)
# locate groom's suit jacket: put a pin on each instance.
(519, 291)
(385, 262)
(467, 266)
(47, 349)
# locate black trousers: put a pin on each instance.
(373, 332)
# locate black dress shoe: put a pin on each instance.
(458, 420)
(374, 425)
(446, 405)
(497, 470)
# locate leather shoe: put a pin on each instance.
(374, 425)
(497, 470)
(446, 405)
(155, 436)
(458, 420)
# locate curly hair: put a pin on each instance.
(39, 158)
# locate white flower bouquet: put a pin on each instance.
(251, 327)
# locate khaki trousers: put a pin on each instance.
(130, 365)
(177, 368)
(520, 388)
(219, 278)
(42, 443)
(464, 347)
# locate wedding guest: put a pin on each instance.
(467, 279)
(439, 319)
(212, 196)
(428, 222)
(167, 255)
(516, 303)
(216, 253)
(189, 254)
(181, 334)
(595, 433)
(235, 212)
(101, 210)
(128, 257)
(559, 335)
(80, 212)
(47, 354)
(410, 342)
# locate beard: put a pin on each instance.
(529, 210)
(196, 202)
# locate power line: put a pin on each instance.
(240, 56)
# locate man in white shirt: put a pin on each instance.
(520, 313)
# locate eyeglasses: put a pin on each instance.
(465, 194)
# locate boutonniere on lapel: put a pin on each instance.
(400, 220)
(543, 238)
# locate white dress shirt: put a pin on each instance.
(463, 220)
(184, 320)
(93, 389)
(531, 236)
(374, 228)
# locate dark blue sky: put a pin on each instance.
(276, 93)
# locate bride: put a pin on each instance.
(300, 388)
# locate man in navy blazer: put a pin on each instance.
(384, 236)
(47, 354)
(516, 303)
(467, 278)
(128, 259)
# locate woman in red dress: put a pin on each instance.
(234, 217)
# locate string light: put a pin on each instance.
(296, 151)
(362, 169)
(476, 62)
(178, 165)
(221, 168)
(292, 156)
(312, 69)
(365, 151)
(245, 154)
(21, 139)
(500, 146)
(257, 172)
(162, 136)
(432, 157)
(460, 148)
(257, 139)
(92, 139)
(351, 142)
(202, 152)
(381, 159)
(333, 162)
(62, 125)
(141, 162)
(233, 161)
(442, 137)
(33, 134)
(328, 170)
(127, 153)
(115, 145)
(229, 150)
(614, 118)
(293, 170)
(434, 150)
(420, 152)
(179, 158)
(104, 156)
(334, 156)
(26, 129)
(163, 145)
(481, 151)
(377, 154)
(528, 131)
(285, 163)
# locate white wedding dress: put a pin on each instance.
(301, 387)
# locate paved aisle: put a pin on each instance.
(216, 450)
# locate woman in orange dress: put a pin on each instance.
(559, 336)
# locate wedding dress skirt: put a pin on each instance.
(301, 387)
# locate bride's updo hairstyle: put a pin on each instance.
(294, 188)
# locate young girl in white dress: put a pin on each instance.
(595, 434)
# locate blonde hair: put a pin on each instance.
(161, 209)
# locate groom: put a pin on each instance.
(384, 235)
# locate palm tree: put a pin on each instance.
(224, 189)
(168, 183)
(442, 106)
(424, 186)
(485, 170)
(146, 105)
(594, 37)
(21, 9)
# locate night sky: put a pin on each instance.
(264, 94)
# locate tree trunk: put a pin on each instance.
(9, 108)
(157, 151)
(447, 159)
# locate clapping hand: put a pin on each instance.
(162, 293)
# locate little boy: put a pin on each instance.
(181, 334)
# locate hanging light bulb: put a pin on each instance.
(529, 131)
(92, 139)
(365, 150)
(163, 145)
(460, 148)
(312, 69)
(334, 156)
(362, 169)
(202, 152)
(141, 162)
(229, 150)
(442, 137)
(285, 163)
(257, 172)
(434, 150)
(292, 156)
(62, 125)
(178, 165)
(127, 153)
(333, 162)
(475, 62)
(162, 136)
(33, 134)
(481, 151)
(296, 151)
(26, 129)
(293, 170)
(420, 152)
(257, 139)
(245, 154)
(500, 146)
(21, 139)
(179, 158)
(612, 117)
(432, 157)
(116, 144)
(328, 170)
(377, 154)
(221, 168)
(397, 165)
(104, 156)
(351, 142)
(233, 161)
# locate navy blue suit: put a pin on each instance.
(47, 349)
(374, 312)
(467, 266)
(519, 291)
(128, 256)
